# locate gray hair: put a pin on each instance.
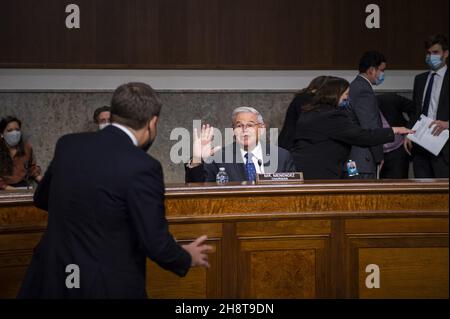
(246, 109)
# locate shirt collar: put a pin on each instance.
(441, 71)
(257, 152)
(128, 132)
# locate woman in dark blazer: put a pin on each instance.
(325, 133)
(302, 98)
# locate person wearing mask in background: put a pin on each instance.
(107, 215)
(325, 133)
(302, 98)
(102, 116)
(430, 96)
(364, 105)
(393, 109)
(17, 163)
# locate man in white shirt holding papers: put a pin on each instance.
(430, 96)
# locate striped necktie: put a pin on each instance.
(250, 169)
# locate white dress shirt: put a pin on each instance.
(435, 91)
(128, 132)
(257, 155)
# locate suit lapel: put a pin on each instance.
(240, 168)
(422, 92)
(235, 169)
(266, 161)
(442, 96)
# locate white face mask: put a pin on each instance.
(103, 125)
(12, 138)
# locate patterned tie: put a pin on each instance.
(250, 169)
(427, 99)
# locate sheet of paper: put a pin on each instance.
(424, 138)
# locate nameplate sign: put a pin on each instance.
(276, 178)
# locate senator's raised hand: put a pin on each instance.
(202, 144)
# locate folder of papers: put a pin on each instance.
(424, 138)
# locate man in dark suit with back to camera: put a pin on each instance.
(105, 200)
(242, 159)
(366, 112)
(430, 98)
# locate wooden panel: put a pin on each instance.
(410, 266)
(16, 250)
(396, 225)
(216, 34)
(22, 215)
(19, 241)
(13, 266)
(274, 244)
(283, 228)
(263, 204)
(406, 272)
(293, 268)
(192, 231)
(282, 274)
(298, 241)
(276, 33)
(198, 283)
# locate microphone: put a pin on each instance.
(259, 164)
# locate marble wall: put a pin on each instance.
(48, 115)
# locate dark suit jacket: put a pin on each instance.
(236, 169)
(324, 139)
(287, 134)
(394, 106)
(365, 106)
(443, 106)
(105, 203)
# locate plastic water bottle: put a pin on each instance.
(222, 176)
(351, 168)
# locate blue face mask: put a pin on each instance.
(12, 138)
(344, 104)
(379, 79)
(434, 61)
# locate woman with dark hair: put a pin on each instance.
(325, 133)
(302, 98)
(17, 164)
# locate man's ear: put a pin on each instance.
(446, 54)
(153, 121)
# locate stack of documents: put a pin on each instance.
(424, 138)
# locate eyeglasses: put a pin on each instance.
(242, 126)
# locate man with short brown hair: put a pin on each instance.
(105, 201)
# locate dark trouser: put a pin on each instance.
(426, 165)
(396, 164)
